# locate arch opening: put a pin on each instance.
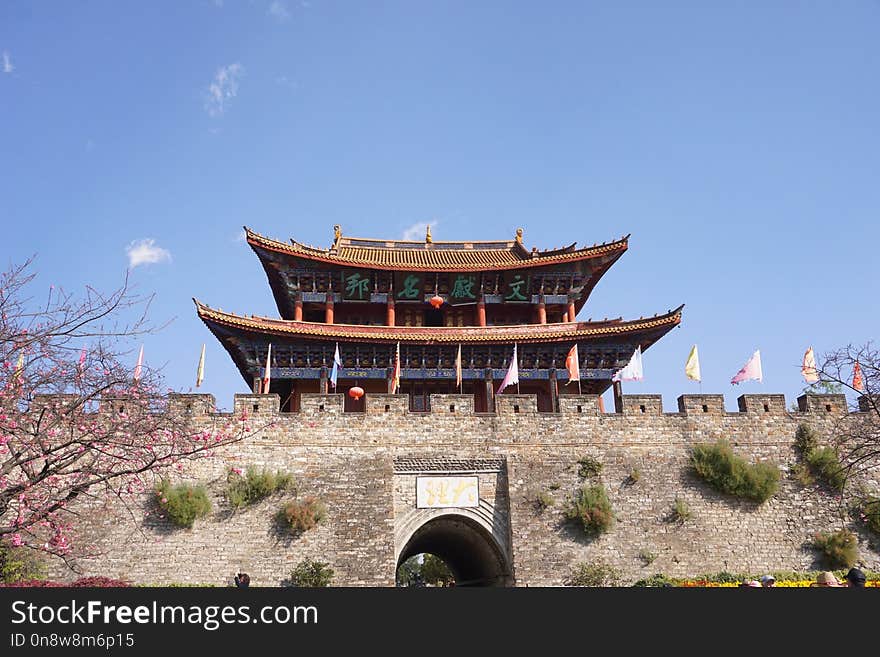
(468, 550)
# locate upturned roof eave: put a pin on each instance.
(560, 256)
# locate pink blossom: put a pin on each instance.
(16, 540)
(238, 471)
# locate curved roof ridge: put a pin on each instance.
(453, 256)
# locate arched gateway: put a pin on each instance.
(475, 552)
(457, 510)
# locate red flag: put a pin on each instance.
(572, 364)
(857, 382)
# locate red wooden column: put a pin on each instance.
(571, 312)
(328, 309)
(481, 312)
(542, 311)
(298, 307)
(389, 315)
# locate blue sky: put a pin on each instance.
(737, 142)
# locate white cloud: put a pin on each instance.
(145, 252)
(278, 10)
(416, 232)
(7, 62)
(223, 88)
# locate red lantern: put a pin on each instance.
(356, 392)
(436, 301)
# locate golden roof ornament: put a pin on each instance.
(337, 234)
(519, 235)
(428, 239)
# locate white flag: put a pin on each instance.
(633, 369)
(512, 375)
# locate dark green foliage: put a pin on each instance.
(870, 509)
(593, 574)
(802, 474)
(19, 564)
(821, 462)
(722, 578)
(658, 579)
(840, 549)
(298, 516)
(435, 571)
(311, 573)
(825, 464)
(183, 503)
(726, 472)
(592, 509)
(424, 569)
(588, 467)
(805, 439)
(255, 486)
(680, 512)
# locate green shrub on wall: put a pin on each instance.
(18, 564)
(597, 573)
(840, 549)
(821, 462)
(589, 467)
(298, 516)
(869, 513)
(726, 472)
(311, 573)
(591, 507)
(183, 503)
(245, 489)
(825, 464)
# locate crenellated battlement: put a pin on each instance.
(331, 405)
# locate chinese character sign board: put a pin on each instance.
(514, 287)
(463, 288)
(356, 285)
(409, 287)
(445, 492)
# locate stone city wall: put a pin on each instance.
(363, 467)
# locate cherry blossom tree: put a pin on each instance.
(77, 423)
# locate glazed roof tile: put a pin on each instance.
(434, 256)
(432, 335)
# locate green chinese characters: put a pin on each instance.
(355, 286)
(463, 288)
(408, 287)
(516, 287)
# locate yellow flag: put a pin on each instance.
(200, 373)
(692, 367)
(19, 367)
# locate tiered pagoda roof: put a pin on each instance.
(485, 296)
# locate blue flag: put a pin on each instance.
(337, 363)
